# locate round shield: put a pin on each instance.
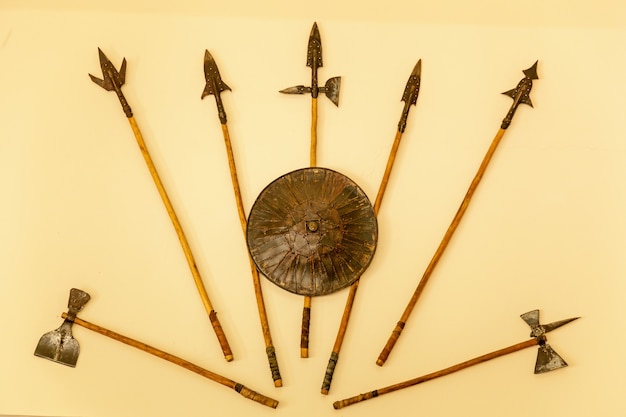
(312, 231)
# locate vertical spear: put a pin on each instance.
(520, 95)
(411, 92)
(112, 81)
(214, 86)
(331, 89)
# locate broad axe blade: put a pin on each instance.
(547, 358)
(214, 83)
(331, 89)
(112, 78)
(59, 345)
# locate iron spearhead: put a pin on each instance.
(411, 92)
(547, 358)
(314, 61)
(113, 80)
(521, 93)
(314, 50)
(214, 84)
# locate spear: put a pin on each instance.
(520, 95)
(214, 86)
(331, 89)
(411, 92)
(112, 81)
(547, 359)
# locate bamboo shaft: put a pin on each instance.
(447, 371)
(442, 246)
(256, 280)
(345, 318)
(313, 152)
(178, 361)
(183, 241)
(306, 309)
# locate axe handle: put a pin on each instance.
(246, 392)
(455, 368)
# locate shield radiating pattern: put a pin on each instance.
(312, 231)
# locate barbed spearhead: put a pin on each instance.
(521, 93)
(112, 78)
(547, 358)
(214, 84)
(411, 92)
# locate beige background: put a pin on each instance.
(545, 230)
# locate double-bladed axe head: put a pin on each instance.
(547, 358)
(59, 345)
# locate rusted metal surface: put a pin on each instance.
(547, 358)
(59, 345)
(312, 231)
(520, 94)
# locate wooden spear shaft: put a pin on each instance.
(217, 327)
(258, 292)
(411, 93)
(214, 86)
(520, 95)
(112, 81)
(306, 309)
(447, 371)
(345, 318)
(440, 250)
(241, 389)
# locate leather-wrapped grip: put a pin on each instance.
(330, 370)
(271, 357)
(255, 396)
(395, 334)
(221, 337)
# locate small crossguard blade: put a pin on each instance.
(331, 89)
(112, 78)
(214, 83)
(547, 358)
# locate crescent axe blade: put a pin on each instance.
(59, 345)
(547, 358)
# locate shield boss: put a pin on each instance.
(312, 231)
